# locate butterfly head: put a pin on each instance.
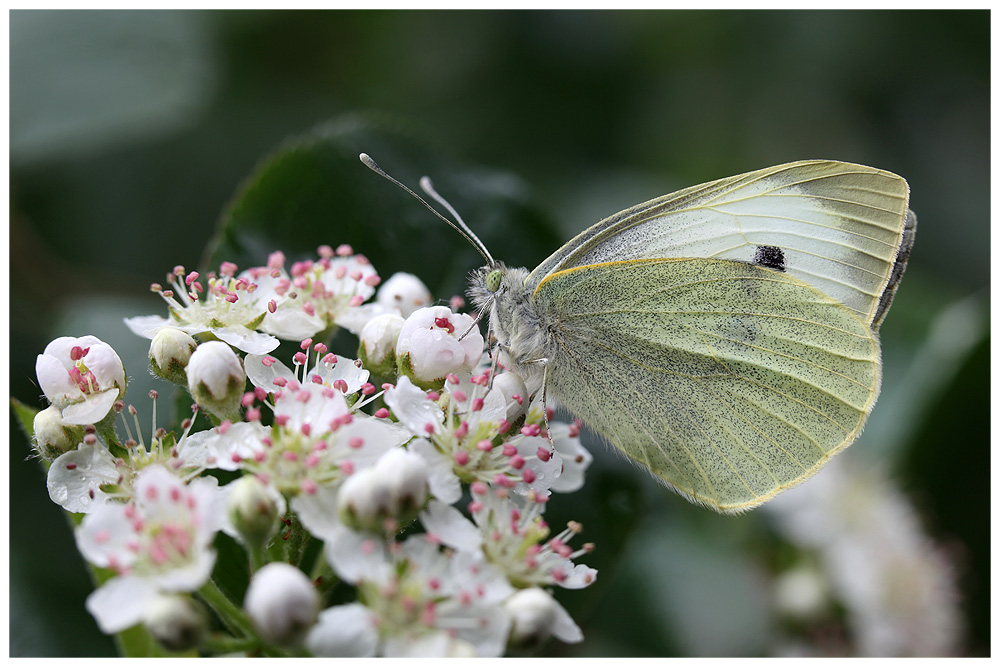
(485, 282)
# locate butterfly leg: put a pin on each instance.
(495, 348)
(545, 404)
(500, 347)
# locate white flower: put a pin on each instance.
(417, 599)
(536, 616)
(316, 442)
(513, 537)
(231, 308)
(282, 603)
(88, 476)
(316, 295)
(83, 377)
(159, 543)
(463, 445)
(216, 379)
(403, 293)
(897, 586)
(289, 316)
(429, 345)
(341, 373)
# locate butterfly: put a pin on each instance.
(725, 336)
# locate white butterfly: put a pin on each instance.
(723, 336)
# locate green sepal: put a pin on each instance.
(405, 367)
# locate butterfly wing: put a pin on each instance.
(729, 381)
(838, 227)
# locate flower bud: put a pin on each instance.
(405, 293)
(53, 436)
(390, 493)
(169, 354)
(801, 593)
(403, 476)
(282, 604)
(254, 511)
(536, 616)
(377, 349)
(429, 348)
(216, 379)
(359, 502)
(176, 622)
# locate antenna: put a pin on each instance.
(425, 183)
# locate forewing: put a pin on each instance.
(840, 228)
(729, 381)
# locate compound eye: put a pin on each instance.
(493, 280)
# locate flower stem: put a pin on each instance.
(257, 558)
(218, 644)
(230, 614)
(237, 622)
(322, 574)
(295, 539)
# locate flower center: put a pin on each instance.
(403, 605)
(83, 376)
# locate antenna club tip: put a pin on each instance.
(370, 163)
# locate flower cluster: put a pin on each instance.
(872, 558)
(372, 457)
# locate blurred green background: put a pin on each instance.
(131, 131)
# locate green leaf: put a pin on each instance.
(25, 415)
(314, 190)
(136, 642)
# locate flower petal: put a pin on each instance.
(344, 631)
(147, 325)
(317, 513)
(291, 323)
(74, 479)
(450, 526)
(55, 381)
(223, 451)
(92, 409)
(412, 407)
(565, 628)
(441, 478)
(262, 375)
(251, 342)
(121, 603)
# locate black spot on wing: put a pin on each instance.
(770, 256)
